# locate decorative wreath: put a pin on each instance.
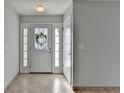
(41, 38)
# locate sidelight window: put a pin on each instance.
(25, 46)
(57, 44)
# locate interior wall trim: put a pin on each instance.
(97, 88)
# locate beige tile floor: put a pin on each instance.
(39, 83)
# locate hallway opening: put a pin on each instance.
(45, 46)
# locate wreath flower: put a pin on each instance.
(41, 38)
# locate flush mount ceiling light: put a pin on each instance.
(40, 8)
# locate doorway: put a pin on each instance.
(41, 48)
(46, 44)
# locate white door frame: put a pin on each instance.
(69, 21)
(28, 26)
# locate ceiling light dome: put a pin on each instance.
(40, 8)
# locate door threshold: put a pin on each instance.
(40, 73)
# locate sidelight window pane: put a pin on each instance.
(25, 47)
(25, 31)
(25, 39)
(25, 54)
(56, 55)
(25, 63)
(56, 63)
(56, 39)
(56, 31)
(56, 47)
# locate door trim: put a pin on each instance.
(28, 25)
(70, 17)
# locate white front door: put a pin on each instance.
(41, 48)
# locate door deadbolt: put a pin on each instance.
(50, 51)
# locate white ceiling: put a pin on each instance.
(52, 7)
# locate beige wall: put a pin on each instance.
(11, 43)
(96, 43)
